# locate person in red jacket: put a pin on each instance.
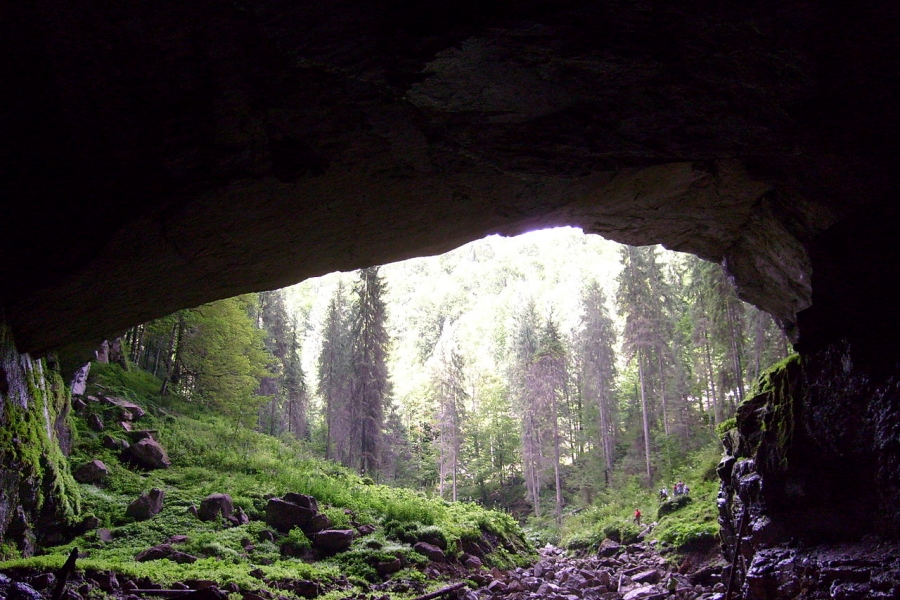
(637, 516)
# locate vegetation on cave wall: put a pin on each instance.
(35, 474)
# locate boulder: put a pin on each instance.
(471, 562)
(333, 540)
(648, 576)
(165, 551)
(95, 422)
(79, 382)
(305, 588)
(304, 500)
(283, 515)
(148, 454)
(104, 535)
(433, 538)
(147, 505)
(389, 567)
(43, 581)
(116, 444)
(215, 505)
(433, 553)
(106, 581)
(134, 411)
(317, 523)
(90, 472)
(608, 548)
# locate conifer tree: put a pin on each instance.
(596, 347)
(525, 346)
(369, 384)
(287, 409)
(334, 377)
(449, 389)
(547, 380)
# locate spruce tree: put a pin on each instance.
(369, 384)
(596, 346)
(334, 377)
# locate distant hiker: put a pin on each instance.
(663, 495)
(685, 489)
(637, 517)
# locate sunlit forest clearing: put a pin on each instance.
(509, 394)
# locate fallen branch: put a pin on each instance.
(160, 592)
(442, 591)
(63, 575)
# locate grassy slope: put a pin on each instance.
(689, 527)
(210, 455)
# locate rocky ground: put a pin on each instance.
(626, 572)
(615, 572)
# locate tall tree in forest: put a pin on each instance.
(734, 340)
(287, 409)
(222, 358)
(639, 304)
(526, 341)
(334, 377)
(547, 381)
(369, 384)
(449, 388)
(596, 348)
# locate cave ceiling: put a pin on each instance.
(161, 155)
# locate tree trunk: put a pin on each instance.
(717, 408)
(556, 462)
(645, 417)
(172, 355)
(735, 353)
(662, 392)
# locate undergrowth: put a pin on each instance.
(211, 455)
(689, 524)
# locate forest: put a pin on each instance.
(532, 374)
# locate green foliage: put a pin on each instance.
(223, 352)
(670, 506)
(692, 524)
(133, 384)
(28, 434)
(726, 426)
(209, 455)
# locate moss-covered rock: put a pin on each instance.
(37, 490)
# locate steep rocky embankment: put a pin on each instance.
(808, 480)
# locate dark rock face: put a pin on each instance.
(744, 133)
(814, 459)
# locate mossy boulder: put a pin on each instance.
(670, 506)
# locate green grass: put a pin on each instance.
(210, 455)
